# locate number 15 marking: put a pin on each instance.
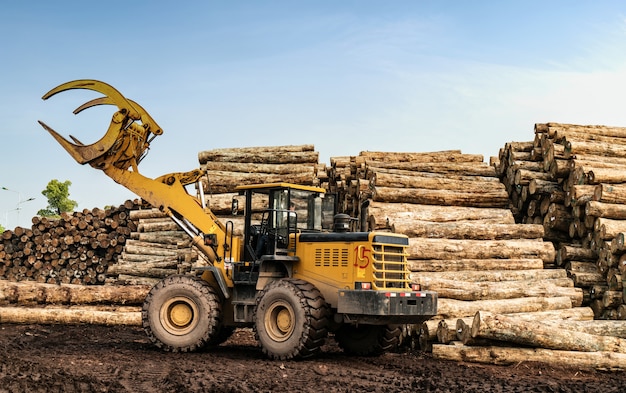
(362, 256)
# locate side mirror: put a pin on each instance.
(234, 207)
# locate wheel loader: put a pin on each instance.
(297, 275)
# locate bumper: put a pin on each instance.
(382, 307)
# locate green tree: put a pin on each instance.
(1, 228)
(58, 199)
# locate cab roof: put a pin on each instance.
(267, 186)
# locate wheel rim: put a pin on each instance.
(280, 321)
(179, 315)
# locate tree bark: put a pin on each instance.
(225, 182)
(381, 212)
(29, 292)
(439, 265)
(610, 193)
(441, 182)
(476, 231)
(453, 156)
(611, 175)
(463, 168)
(73, 315)
(262, 155)
(441, 197)
(463, 290)
(495, 275)
(606, 210)
(451, 308)
(422, 248)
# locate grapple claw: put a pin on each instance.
(125, 142)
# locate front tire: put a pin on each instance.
(181, 314)
(368, 340)
(291, 319)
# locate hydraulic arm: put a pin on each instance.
(118, 154)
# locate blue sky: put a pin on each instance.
(346, 76)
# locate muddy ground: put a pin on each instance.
(56, 358)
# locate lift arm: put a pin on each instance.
(118, 154)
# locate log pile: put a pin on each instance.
(464, 242)
(76, 248)
(509, 339)
(228, 168)
(31, 302)
(570, 180)
(157, 249)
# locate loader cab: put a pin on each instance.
(274, 212)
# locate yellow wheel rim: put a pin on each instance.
(179, 315)
(280, 321)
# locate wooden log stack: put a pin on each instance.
(570, 179)
(228, 168)
(76, 248)
(464, 242)
(157, 249)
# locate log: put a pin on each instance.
(422, 248)
(218, 182)
(441, 197)
(446, 333)
(141, 270)
(584, 279)
(441, 182)
(439, 265)
(73, 315)
(29, 292)
(610, 193)
(570, 253)
(261, 155)
(465, 169)
(606, 210)
(607, 175)
(277, 169)
(462, 290)
(426, 157)
(494, 275)
(495, 326)
(594, 148)
(511, 355)
(544, 187)
(608, 228)
(451, 308)
(221, 204)
(418, 212)
(146, 213)
(468, 230)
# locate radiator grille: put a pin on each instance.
(390, 266)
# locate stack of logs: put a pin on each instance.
(157, 249)
(570, 179)
(228, 168)
(76, 248)
(463, 239)
(48, 271)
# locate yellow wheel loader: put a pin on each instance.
(297, 274)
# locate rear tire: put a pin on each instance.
(291, 319)
(368, 340)
(181, 314)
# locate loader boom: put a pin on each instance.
(118, 154)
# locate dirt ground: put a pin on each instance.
(57, 358)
